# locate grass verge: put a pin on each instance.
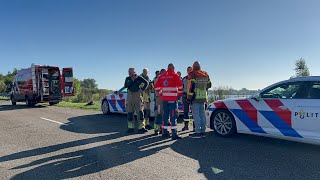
(95, 106)
(4, 98)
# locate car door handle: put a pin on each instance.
(283, 107)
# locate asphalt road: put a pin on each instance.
(58, 143)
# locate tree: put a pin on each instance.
(89, 83)
(301, 68)
(76, 85)
(3, 86)
(7, 79)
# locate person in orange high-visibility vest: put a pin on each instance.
(199, 83)
(169, 85)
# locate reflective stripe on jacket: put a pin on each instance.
(199, 83)
(169, 86)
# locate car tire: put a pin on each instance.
(13, 102)
(105, 107)
(223, 123)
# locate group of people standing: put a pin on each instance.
(169, 88)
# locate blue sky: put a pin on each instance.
(247, 43)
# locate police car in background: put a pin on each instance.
(116, 103)
(288, 110)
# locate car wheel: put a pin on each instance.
(13, 102)
(105, 107)
(223, 123)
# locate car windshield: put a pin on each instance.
(292, 90)
(124, 91)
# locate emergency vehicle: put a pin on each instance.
(289, 109)
(41, 84)
(116, 103)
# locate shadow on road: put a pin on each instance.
(243, 156)
(19, 106)
(251, 157)
(96, 124)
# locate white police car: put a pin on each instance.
(289, 109)
(116, 103)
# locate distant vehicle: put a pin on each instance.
(116, 103)
(289, 110)
(41, 84)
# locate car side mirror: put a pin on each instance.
(256, 97)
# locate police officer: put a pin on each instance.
(146, 99)
(135, 85)
(169, 85)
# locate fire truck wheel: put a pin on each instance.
(29, 102)
(52, 103)
(13, 101)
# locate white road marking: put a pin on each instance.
(53, 121)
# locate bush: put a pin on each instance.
(88, 95)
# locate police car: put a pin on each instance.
(116, 103)
(289, 110)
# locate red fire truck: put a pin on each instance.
(39, 84)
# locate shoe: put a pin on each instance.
(203, 135)
(148, 127)
(130, 131)
(175, 137)
(195, 135)
(186, 128)
(142, 131)
(165, 135)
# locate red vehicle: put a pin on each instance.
(39, 84)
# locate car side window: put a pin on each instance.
(314, 92)
(296, 90)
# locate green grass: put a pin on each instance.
(4, 98)
(95, 107)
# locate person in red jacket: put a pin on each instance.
(169, 86)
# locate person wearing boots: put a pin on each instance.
(169, 85)
(186, 104)
(146, 99)
(135, 85)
